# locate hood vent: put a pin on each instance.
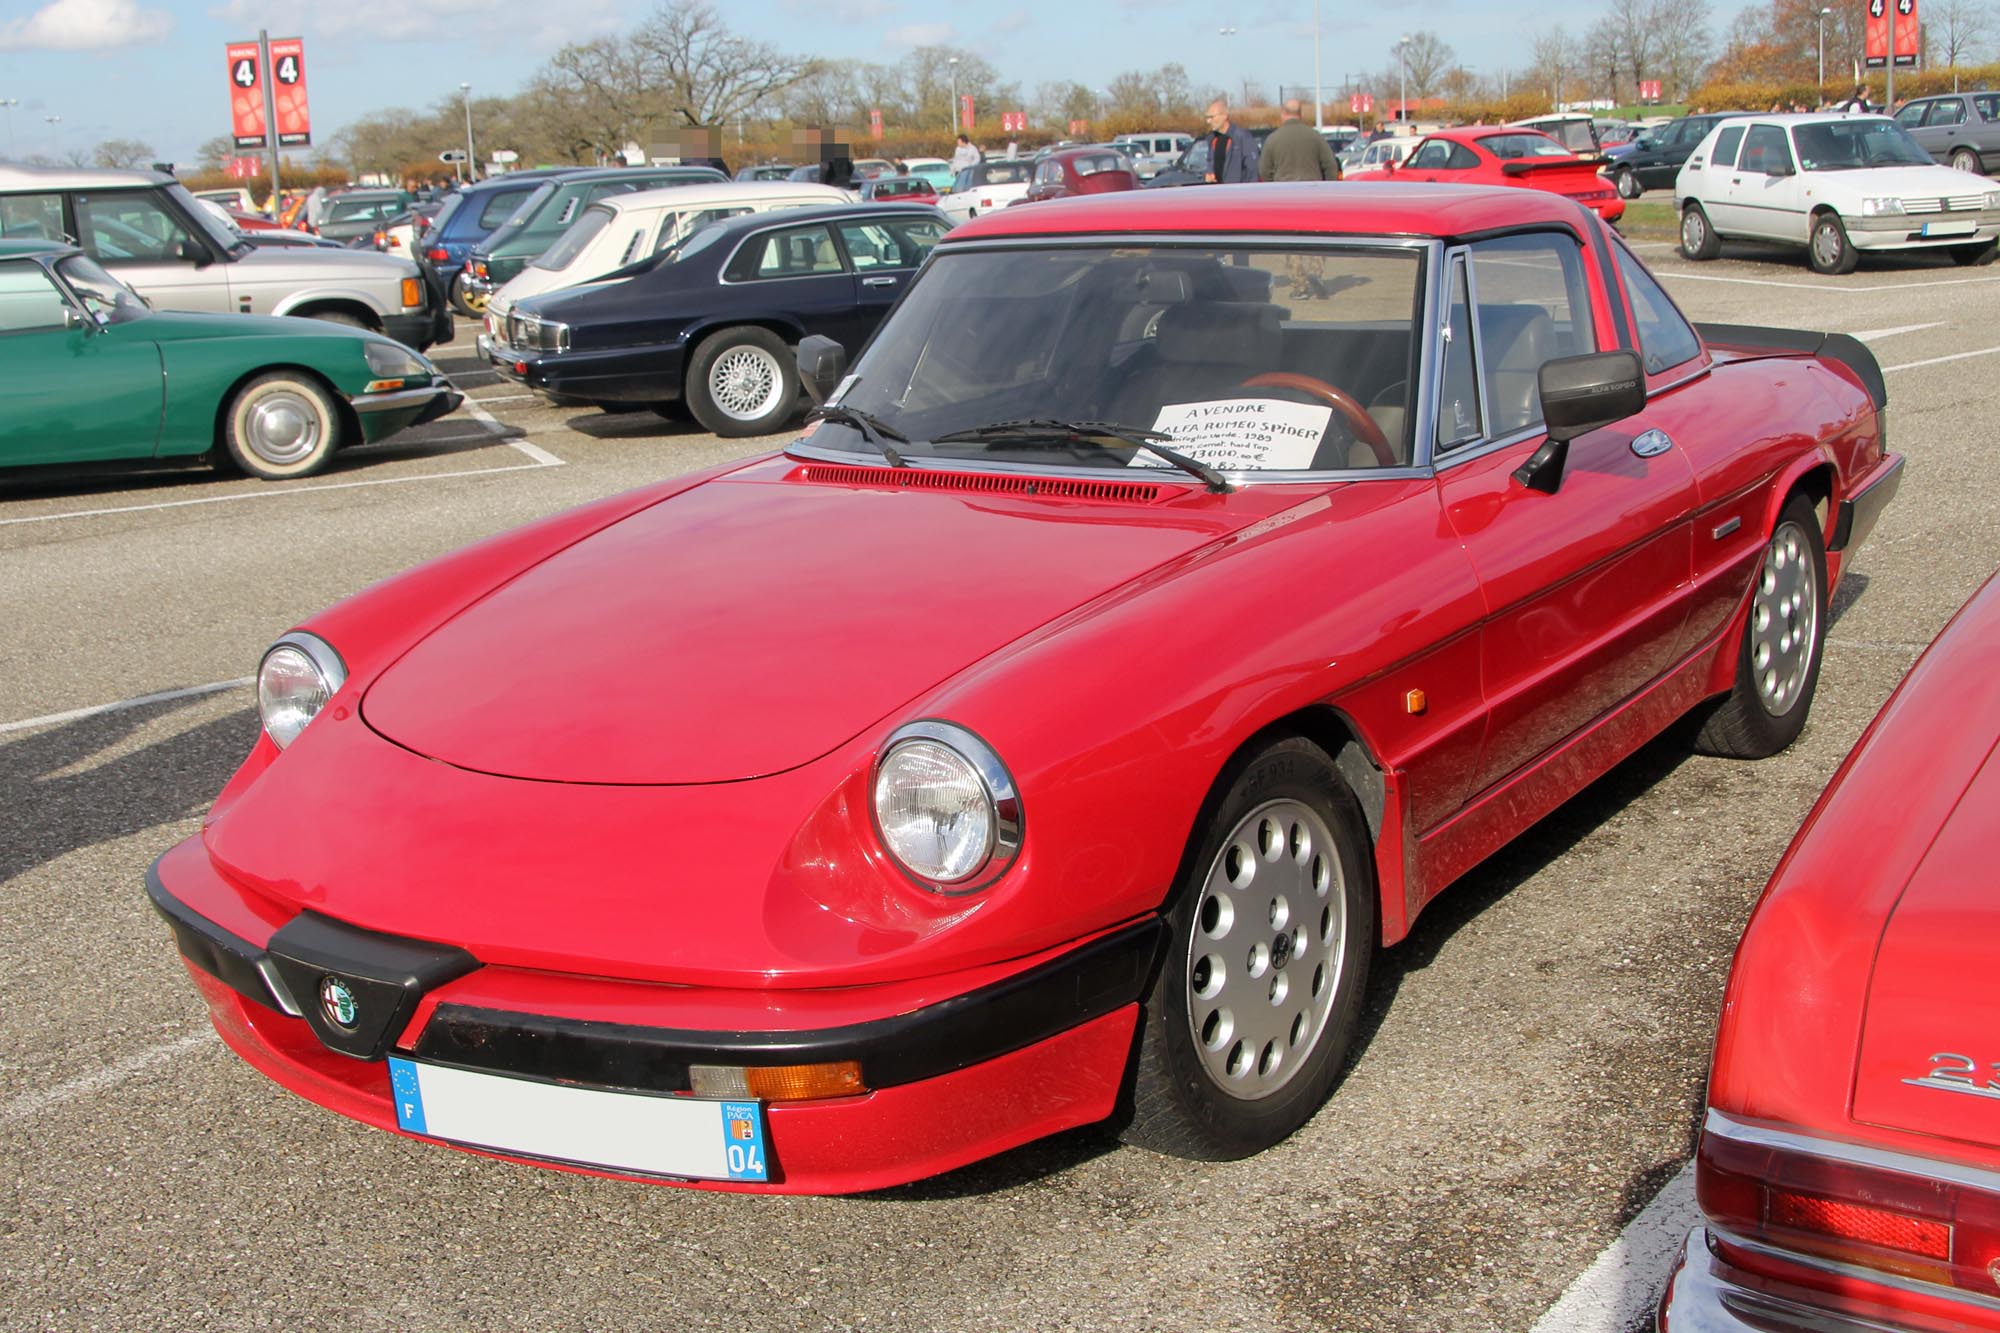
(834, 474)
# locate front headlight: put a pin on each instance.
(299, 673)
(1881, 207)
(946, 807)
(543, 335)
(391, 361)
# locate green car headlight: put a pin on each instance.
(392, 361)
(299, 673)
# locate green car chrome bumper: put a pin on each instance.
(383, 414)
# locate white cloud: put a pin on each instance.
(1013, 21)
(86, 25)
(918, 34)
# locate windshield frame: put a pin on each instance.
(1430, 252)
(212, 230)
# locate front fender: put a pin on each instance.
(337, 293)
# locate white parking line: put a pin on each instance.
(192, 691)
(532, 450)
(1940, 360)
(1875, 335)
(35, 1103)
(501, 398)
(1620, 1288)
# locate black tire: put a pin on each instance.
(1968, 161)
(1766, 708)
(1627, 183)
(281, 426)
(1975, 256)
(459, 302)
(351, 320)
(1827, 248)
(1265, 914)
(1698, 238)
(741, 382)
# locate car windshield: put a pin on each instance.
(226, 238)
(99, 291)
(363, 210)
(1247, 359)
(573, 242)
(1855, 144)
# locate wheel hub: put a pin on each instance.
(744, 382)
(283, 428)
(1784, 616)
(1264, 952)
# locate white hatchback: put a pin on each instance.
(1835, 184)
(626, 228)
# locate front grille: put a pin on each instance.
(835, 474)
(1957, 203)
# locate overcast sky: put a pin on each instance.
(153, 70)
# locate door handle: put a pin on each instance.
(1651, 443)
(878, 282)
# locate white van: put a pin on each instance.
(1153, 151)
(626, 228)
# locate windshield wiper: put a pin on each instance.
(871, 428)
(1060, 434)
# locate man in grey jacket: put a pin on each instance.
(1232, 151)
(1296, 152)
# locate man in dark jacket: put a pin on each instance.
(1296, 152)
(1232, 152)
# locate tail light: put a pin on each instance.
(1901, 1216)
(439, 255)
(381, 240)
(479, 268)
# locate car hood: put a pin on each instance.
(755, 623)
(1903, 182)
(1932, 987)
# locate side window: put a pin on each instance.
(795, 252)
(1532, 305)
(1458, 390)
(131, 227)
(1434, 154)
(31, 217)
(1987, 105)
(499, 207)
(1951, 111)
(1462, 158)
(1665, 339)
(1725, 146)
(28, 299)
(1911, 116)
(1765, 150)
(677, 227)
(896, 243)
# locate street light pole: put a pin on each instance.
(953, 62)
(1319, 117)
(1824, 11)
(1402, 78)
(471, 169)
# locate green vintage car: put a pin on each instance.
(89, 373)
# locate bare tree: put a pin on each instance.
(700, 72)
(1602, 56)
(1634, 20)
(1681, 44)
(1556, 56)
(1425, 60)
(1957, 27)
(122, 153)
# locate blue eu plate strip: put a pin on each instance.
(743, 1140)
(409, 1095)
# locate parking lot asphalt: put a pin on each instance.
(1530, 1071)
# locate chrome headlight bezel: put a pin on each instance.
(287, 704)
(1004, 825)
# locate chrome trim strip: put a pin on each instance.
(1147, 472)
(390, 402)
(1882, 1159)
(1478, 349)
(1873, 1276)
(1724, 528)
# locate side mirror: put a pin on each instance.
(1580, 394)
(191, 253)
(76, 319)
(1780, 170)
(822, 363)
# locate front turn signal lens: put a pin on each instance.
(778, 1083)
(413, 291)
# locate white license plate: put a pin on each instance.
(1965, 228)
(621, 1131)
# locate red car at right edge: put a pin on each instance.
(1849, 1168)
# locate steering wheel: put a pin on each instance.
(1358, 420)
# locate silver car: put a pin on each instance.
(152, 234)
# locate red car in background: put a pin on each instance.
(1849, 1167)
(1505, 155)
(1073, 171)
(1199, 583)
(897, 190)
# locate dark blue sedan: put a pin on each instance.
(711, 325)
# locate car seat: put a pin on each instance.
(1514, 340)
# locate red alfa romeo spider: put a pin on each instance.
(1182, 590)
(1849, 1169)
(1502, 155)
